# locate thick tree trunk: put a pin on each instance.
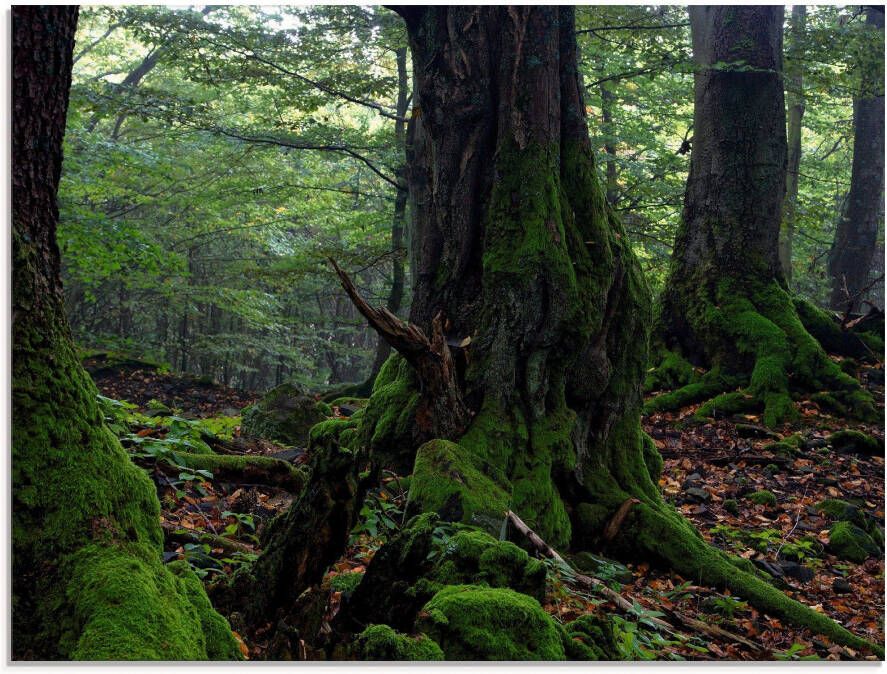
(726, 302)
(794, 87)
(88, 582)
(850, 259)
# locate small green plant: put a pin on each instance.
(243, 526)
(379, 517)
(763, 497)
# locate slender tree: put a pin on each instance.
(516, 383)
(850, 258)
(794, 87)
(726, 303)
(88, 578)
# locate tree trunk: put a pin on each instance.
(88, 582)
(794, 88)
(726, 303)
(850, 258)
(608, 98)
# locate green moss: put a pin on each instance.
(728, 403)
(324, 408)
(856, 442)
(346, 583)
(448, 480)
(848, 541)
(477, 623)
(652, 458)
(380, 642)
(711, 383)
(731, 506)
(763, 497)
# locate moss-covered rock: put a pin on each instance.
(284, 414)
(448, 480)
(848, 541)
(856, 442)
(590, 637)
(673, 371)
(380, 642)
(477, 623)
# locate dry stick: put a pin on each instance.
(543, 548)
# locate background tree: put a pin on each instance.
(850, 258)
(88, 578)
(794, 86)
(726, 305)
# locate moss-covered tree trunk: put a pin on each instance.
(518, 377)
(850, 258)
(88, 582)
(726, 303)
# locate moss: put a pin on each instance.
(324, 408)
(848, 541)
(477, 623)
(763, 497)
(728, 403)
(346, 583)
(284, 414)
(856, 442)
(652, 459)
(731, 506)
(710, 384)
(448, 480)
(380, 642)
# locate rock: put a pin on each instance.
(754, 431)
(284, 414)
(847, 541)
(347, 410)
(288, 454)
(169, 556)
(815, 443)
(795, 570)
(774, 570)
(841, 586)
(855, 442)
(698, 494)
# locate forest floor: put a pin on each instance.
(743, 497)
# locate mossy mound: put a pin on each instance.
(284, 414)
(850, 542)
(477, 623)
(590, 637)
(380, 642)
(672, 372)
(763, 497)
(856, 442)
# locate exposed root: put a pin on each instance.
(761, 354)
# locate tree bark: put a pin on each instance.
(794, 88)
(850, 258)
(726, 304)
(88, 582)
